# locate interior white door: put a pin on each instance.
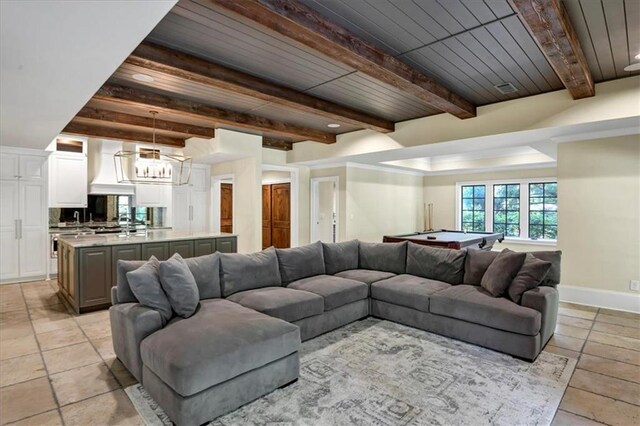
(326, 211)
(181, 208)
(199, 217)
(9, 232)
(33, 230)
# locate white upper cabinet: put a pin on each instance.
(191, 202)
(148, 195)
(67, 179)
(9, 166)
(32, 168)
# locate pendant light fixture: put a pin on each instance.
(151, 166)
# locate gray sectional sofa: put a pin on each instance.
(255, 309)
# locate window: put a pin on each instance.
(506, 209)
(522, 209)
(473, 208)
(543, 211)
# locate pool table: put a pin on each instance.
(449, 239)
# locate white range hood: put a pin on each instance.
(102, 171)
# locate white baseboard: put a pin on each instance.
(600, 298)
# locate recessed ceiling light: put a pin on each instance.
(143, 77)
(333, 125)
(638, 56)
(632, 67)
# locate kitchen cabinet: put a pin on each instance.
(183, 248)
(94, 269)
(204, 247)
(159, 250)
(227, 245)
(191, 202)
(68, 179)
(23, 216)
(148, 195)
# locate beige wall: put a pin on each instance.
(599, 212)
(381, 203)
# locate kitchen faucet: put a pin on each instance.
(76, 216)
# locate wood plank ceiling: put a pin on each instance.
(214, 64)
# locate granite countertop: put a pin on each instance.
(152, 236)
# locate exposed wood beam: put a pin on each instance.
(275, 143)
(135, 97)
(102, 115)
(303, 24)
(181, 65)
(84, 129)
(549, 24)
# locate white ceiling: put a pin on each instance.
(55, 54)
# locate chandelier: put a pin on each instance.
(150, 166)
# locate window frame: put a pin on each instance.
(524, 206)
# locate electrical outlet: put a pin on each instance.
(634, 285)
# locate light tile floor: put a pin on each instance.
(57, 368)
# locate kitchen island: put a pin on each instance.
(87, 264)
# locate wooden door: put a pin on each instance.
(266, 216)
(226, 207)
(281, 215)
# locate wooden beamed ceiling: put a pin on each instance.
(122, 102)
(548, 23)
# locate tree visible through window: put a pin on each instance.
(506, 209)
(473, 210)
(543, 211)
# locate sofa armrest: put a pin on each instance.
(544, 300)
(131, 323)
(114, 295)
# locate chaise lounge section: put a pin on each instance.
(242, 342)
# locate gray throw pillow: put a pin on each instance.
(502, 271)
(145, 285)
(476, 264)
(530, 276)
(123, 289)
(241, 272)
(552, 278)
(179, 285)
(385, 257)
(340, 257)
(206, 272)
(436, 263)
(300, 262)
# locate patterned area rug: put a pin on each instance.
(375, 372)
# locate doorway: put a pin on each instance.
(276, 209)
(222, 203)
(226, 207)
(324, 209)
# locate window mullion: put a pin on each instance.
(488, 207)
(524, 209)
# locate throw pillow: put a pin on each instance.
(145, 285)
(476, 264)
(436, 263)
(179, 285)
(340, 257)
(502, 271)
(553, 276)
(531, 274)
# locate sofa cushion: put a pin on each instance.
(280, 302)
(336, 291)
(553, 276)
(436, 263)
(240, 272)
(300, 262)
(365, 275)
(340, 257)
(476, 264)
(221, 341)
(502, 271)
(179, 285)
(387, 257)
(145, 285)
(474, 304)
(407, 290)
(205, 270)
(530, 276)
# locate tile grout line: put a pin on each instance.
(48, 376)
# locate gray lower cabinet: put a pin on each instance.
(226, 245)
(204, 247)
(159, 250)
(94, 268)
(123, 252)
(184, 248)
